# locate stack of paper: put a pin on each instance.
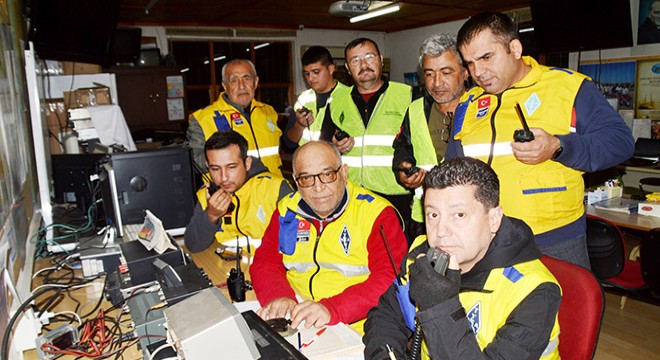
(618, 204)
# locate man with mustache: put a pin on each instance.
(244, 198)
(236, 109)
(573, 130)
(422, 140)
(370, 114)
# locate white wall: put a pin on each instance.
(405, 46)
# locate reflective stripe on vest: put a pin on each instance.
(499, 149)
(269, 151)
(346, 270)
(374, 160)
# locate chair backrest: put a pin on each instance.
(605, 246)
(581, 309)
(649, 254)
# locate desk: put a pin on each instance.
(215, 267)
(631, 221)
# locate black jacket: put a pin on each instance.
(526, 331)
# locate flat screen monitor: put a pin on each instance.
(158, 180)
(73, 30)
(126, 45)
(568, 25)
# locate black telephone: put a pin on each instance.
(213, 188)
(524, 134)
(439, 260)
(341, 135)
(410, 171)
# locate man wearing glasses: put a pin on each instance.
(333, 243)
(236, 109)
(370, 114)
(426, 128)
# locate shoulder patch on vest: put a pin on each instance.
(532, 103)
(220, 121)
(345, 240)
(562, 69)
(483, 105)
(512, 274)
(474, 317)
(367, 197)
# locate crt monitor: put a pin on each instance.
(158, 180)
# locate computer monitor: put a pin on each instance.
(158, 180)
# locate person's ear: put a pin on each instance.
(515, 47)
(495, 218)
(331, 69)
(248, 163)
(256, 81)
(344, 171)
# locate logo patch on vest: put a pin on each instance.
(532, 103)
(271, 126)
(474, 318)
(220, 121)
(483, 105)
(236, 118)
(345, 239)
(303, 231)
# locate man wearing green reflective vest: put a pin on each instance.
(425, 131)
(363, 122)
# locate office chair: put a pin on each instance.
(649, 252)
(581, 310)
(607, 256)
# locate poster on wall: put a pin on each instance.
(648, 31)
(616, 80)
(647, 101)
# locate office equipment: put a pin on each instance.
(126, 45)
(180, 282)
(581, 294)
(62, 337)
(271, 345)
(99, 260)
(199, 334)
(159, 180)
(75, 30)
(139, 261)
(618, 204)
(71, 178)
(146, 321)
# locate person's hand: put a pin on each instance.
(313, 313)
(218, 203)
(428, 288)
(415, 180)
(304, 118)
(344, 145)
(277, 308)
(534, 152)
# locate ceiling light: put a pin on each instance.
(378, 12)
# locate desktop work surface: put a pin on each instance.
(630, 221)
(85, 298)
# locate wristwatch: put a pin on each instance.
(559, 150)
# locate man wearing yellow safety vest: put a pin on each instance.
(540, 128)
(422, 140)
(318, 68)
(241, 198)
(363, 122)
(333, 243)
(236, 109)
(495, 300)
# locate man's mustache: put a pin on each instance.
(365, 70)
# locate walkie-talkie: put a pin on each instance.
(236, 280)
(341, 135)
(524, 134)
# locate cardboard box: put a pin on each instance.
(649, 209)
(57, 123)
(77, 68)
(87, 97)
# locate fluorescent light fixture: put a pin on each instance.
(526, 30)
(185, 70)
(378, 12)
(218, 58)
(257, 47)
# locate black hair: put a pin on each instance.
(465, 171)
(317, 54)
(357, 42)
(499, 24)
(223, 138)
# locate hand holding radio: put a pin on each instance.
(410, 175)
(431, 282)
(343, 141)
(304, 117)
(219, 202)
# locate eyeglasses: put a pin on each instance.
(325, 177)
(447, 121)
(368, 57)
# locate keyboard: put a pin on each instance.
(131, 231)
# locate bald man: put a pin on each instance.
(325, 244)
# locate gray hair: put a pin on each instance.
(234, 62)
(437, 45)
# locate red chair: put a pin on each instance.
(607, 256)
(581, 310)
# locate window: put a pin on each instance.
(203, 61)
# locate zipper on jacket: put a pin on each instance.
(238, 206)
(492, 128)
